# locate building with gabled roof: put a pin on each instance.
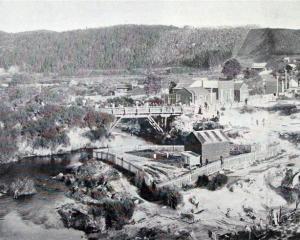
(241, 91)
(210, 144)
(259, 66)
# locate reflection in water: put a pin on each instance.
(13, 227)
(36, 217)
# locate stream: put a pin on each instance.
(36, 217)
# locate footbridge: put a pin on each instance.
(147, 113)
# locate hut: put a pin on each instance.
(210, 144)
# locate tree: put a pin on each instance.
(152, 84)
(231, 68)
(172, 85)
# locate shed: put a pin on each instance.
(210, 144)
(123, 89)
(241, 91)
(259, 66)
(190, 159)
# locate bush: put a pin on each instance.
(148, 193)
(217, 181)
(118, 212)
(170, 197)
(202, 181)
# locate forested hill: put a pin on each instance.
(124, 46)
(265, 43)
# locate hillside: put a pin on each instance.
(132, 46)
(126, 46)
(262, 44)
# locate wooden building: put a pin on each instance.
(189, 95)
(241, 91)
(259, 67)
(210, 144)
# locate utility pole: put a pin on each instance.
(286, 79)
(277, 90)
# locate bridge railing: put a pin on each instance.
(143, 110)
(126, 148)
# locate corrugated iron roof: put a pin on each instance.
(211, 136)
(259, 65)
(197, 91)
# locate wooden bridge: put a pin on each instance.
(144, 112)
(136, 112)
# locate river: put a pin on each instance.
(36, 217)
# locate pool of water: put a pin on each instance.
(36, 217)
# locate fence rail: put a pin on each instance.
(169, 148)
(121, 111)
(232, 163)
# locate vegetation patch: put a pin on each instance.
(212, 184)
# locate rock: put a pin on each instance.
(76, 216)
(90, 168)
(4, 189)
(59, 177)
(157, 233)
(22, 187)
(73, 168)
(69, 179)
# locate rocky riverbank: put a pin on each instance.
(98, 206)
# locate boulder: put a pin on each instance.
(59, 177)
(22, 187)
(76, 216)
(4, 189)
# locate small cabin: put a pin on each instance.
(122, 89)
(190, 159)
(210, 144)
(241, 92)
(259, 67)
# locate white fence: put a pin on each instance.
(169, 148)
(233, 162)
(117, 160)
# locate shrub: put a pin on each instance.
(118, 212)
(217, 181)
(170, 197)
(202, 181)
(148, 193)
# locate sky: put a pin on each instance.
(63, 15)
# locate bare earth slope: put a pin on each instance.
(262, 44)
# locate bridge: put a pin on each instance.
(144, 112)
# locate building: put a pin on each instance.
(187, 94)
(191, 95)
(221, 90)
(190, 159)
(122, 89)
(271, 84)
(210, 144)
(259, 66)
(241, 91)
(226, 91)
(202, 90)
(294, 83)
